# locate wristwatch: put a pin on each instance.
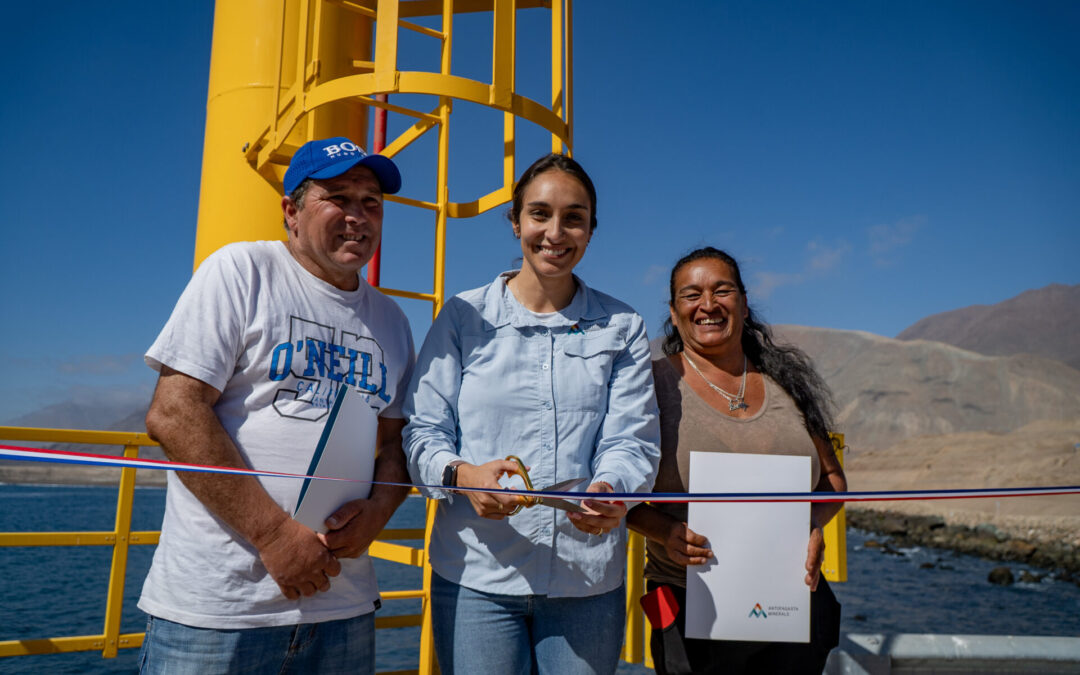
(449, 474)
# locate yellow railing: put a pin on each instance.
(120, 538)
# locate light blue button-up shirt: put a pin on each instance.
(571, 395)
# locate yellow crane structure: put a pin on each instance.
(283, 72)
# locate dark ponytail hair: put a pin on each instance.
(787, 365)
(564, 163)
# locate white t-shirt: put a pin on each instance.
(277, 342)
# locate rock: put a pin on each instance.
(926, 566)
(894, 525)
(988, 530)
(1020, 548)
(1001, 576)
(986, 540)
(1027, 577)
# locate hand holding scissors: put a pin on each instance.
(590, 516)
(599, 517)
(489, 504)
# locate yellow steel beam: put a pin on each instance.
(386, 44)
(406, 138)
(834, 564)
(400, 621)
(370, 13)
(486, 203)
(414, 8)
(398, 199)
(416, 594)
(427, 641)
(57, 538)
(502, 55)
(432, 117)
(633, 650)
(442, 174)
(401, 533)
(114, 604)
(408, 294)
(71, 538)
(64, 645)
(406, 555)
(75, 436)
(556, 68)
(568, 91)
(438, 84)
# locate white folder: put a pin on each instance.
(753, 589)
(345, 450)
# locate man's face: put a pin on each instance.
(339, 227)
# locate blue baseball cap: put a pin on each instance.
(331, 157)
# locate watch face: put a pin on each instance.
(449, 475)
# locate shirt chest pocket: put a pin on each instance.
(583, 374)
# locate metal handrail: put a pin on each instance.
(120, 538)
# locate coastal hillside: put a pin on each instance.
(1044, 321)
(1039, 454)
(887, 391)
(82, 416)
(919, 414)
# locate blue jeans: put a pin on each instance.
(345, 646)
(478, 633)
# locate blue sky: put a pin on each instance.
(869, 163)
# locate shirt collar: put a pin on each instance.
(501, 308)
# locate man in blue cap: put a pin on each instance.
(250, 361)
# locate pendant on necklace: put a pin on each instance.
(737, 405)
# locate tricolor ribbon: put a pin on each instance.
(64, 457)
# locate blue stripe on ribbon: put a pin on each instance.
(63, 457)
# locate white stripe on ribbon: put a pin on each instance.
(90, 459)
(65, 457)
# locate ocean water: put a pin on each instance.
(52, 591)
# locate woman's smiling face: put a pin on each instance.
(707, 308)
(554, 223)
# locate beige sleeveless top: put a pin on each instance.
(688, 423)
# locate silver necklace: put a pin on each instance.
(735, 401)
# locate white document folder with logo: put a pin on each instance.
(753, 589)
(345, 450)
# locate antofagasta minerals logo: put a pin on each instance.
(781, 610)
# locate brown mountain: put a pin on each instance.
(890, 390)
(1044, 321)
(81, 417)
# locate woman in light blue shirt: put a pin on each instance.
(535, 364)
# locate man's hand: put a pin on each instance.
(354, 526)
(489, 504)
(602, 517)
(297, 559)
(815, 553)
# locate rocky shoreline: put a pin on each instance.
(1042, 549)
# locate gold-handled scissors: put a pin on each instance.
(554, 502)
